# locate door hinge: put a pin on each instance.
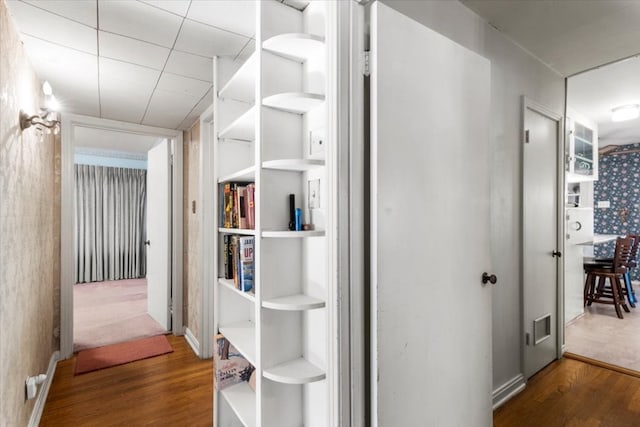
(366, 64)
(526, 136)
(171, 160)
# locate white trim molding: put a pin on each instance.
(508, 390)
(67, 259)
(36, 413)
(192, 341)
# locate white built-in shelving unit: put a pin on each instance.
(270, 125)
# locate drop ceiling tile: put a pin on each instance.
(186, 64)
(208, 41)
(131, 50)
(44, 25)
(181, 85)
(123, 106)
(82, 11)
(73, 75)
(232, 15)
(123, 78)
(139, 20)
(168, 109)
(179, 7)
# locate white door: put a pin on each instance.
(431, 312)
(540, 239)
(159, 233)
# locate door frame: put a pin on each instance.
(529, 104)
(67, 244)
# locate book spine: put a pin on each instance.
(251, 210)
(228, 205)
(246, 263)
(228, 252)
(242, 210)
(234, 263)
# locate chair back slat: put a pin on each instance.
(622, 254)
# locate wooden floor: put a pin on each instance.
(169, 390)
(573, 393)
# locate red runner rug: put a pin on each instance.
(119, 354)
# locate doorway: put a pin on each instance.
(71, 128)
(602, 202)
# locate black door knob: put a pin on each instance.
(489, 278)
(147, 243)
(556, 253)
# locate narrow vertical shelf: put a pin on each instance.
(243, 402)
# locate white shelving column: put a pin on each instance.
(271, 116)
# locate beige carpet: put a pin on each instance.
(600, 335)
(111, 312)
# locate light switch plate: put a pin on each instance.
(604, 204)
(314, 193)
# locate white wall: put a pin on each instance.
(513, 73)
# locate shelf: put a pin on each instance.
(247, 174)
(243, 402)
(297, 302)
(584, 141)
(287, 234)
(243, 231)
(584, 159)
(294, 102)
(241, 86)
(298, 165)
(243, 336)
(229, 284)
(298, 371)
(297, 46)
(242, 128)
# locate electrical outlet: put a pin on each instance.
(316, 142)
(314, 194)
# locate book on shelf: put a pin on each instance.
(247, 265)
(238, 207)
(241, 211)
(239, 261)
(228, 257)
(230, 366)
(250, 204)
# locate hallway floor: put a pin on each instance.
(570, 393)
(175, 389)
(600, 335)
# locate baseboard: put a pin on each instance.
(43, 391)
(193, 342)
(507, 390)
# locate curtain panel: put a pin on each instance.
(110, 223)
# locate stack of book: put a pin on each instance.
(239, 261)
(238, 205)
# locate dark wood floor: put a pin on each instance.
(169, 390)
(573, 393)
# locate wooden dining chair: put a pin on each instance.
(631, 264)
(614, 293)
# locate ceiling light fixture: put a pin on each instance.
(48, 116)
(625, 112)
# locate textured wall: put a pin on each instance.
(619, 183)
(191, 267)
(28, 237)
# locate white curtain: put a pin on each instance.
(110, 208)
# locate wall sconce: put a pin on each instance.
(48, 117)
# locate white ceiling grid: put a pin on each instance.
(147, 62)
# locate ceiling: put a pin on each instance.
(112, 143)
(146, 62)
(595, 93)
(569, 36)
(572, 36)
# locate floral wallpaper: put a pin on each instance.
(619, 183)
